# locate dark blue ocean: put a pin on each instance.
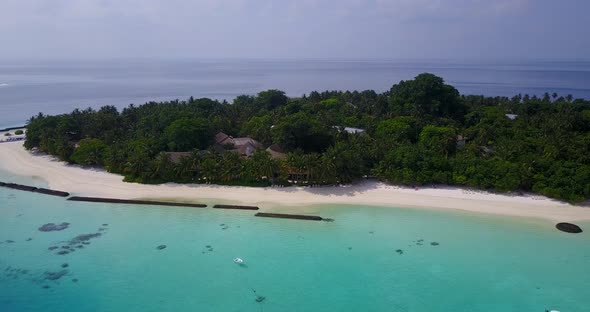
(27, 88)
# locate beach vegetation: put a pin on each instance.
(419, 132)
(89, 152)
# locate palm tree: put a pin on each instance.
(209, 167)
(268, 167)
(230, 167)
(312, 165)
(183, 169)
(326, 171)
(161, 166)
(296, 164)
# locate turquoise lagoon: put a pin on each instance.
(369, 259)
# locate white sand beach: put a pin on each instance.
(86, 182)
(12, 135)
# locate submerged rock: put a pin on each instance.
(399, 251)
(54, 276)
(29, 239)
(75, 280)
(9, 241)
(161, 247)
(46, 286)
(50, 227)
(63, 252)
(84, 238)
(105, 224)
(65, 265)
(434, 244)
(260, 298)
(53, 248)
(568, 228)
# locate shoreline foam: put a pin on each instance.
(97, 183)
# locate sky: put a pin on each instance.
(287, 29)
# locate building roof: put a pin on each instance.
(222, 138)
(276, 152)
(350, 130)
(247, 149)
(244, 146)
(276, 148)
(511, 116)
(176, 157)
(353, 130)
(245, 141)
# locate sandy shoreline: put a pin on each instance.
(60, 176)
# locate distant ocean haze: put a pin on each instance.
(59, 87)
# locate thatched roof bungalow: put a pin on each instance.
(276, 152)
(176, 157)
(244, 146)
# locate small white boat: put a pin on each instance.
(238, 260)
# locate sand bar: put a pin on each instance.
(97, 183)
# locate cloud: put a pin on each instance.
(410, 9)
(288, 28)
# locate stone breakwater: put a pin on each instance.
(33, 189)
(565, 227)
(236, 207)
(289, 216)
(134, 202)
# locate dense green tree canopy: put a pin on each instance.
(90, 152)
(186, 134)
(303, 131)
(271, 99)
(420, 132)
(425, 96)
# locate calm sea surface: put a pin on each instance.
(369, 259)
(27, 88)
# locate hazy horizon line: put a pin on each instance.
(286, 59)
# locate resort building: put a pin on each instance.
(176, 157)
(244, 146)
(461, 140)
(276, 152)
(350, 130)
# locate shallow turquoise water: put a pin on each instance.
(481, 263)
